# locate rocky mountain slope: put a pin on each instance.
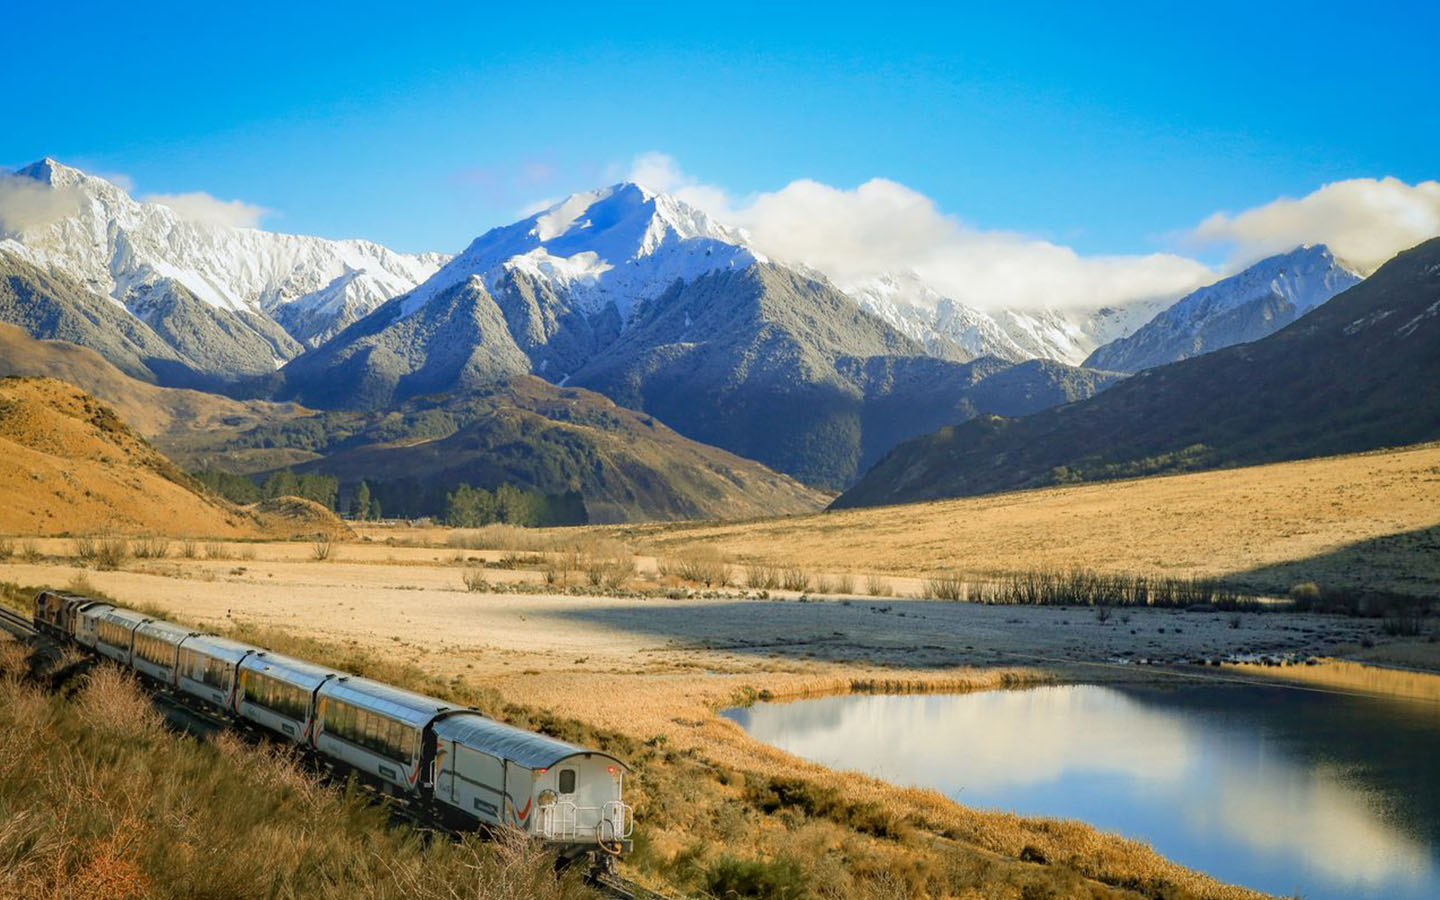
(1244, 307)
(226, 302)
(526, 432)
(913, 307)
(646, 300)
(1360, 371)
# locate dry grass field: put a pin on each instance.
(609, 636)
(1371, 519)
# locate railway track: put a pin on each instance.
(17, 625)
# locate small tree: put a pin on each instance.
(375, 509)
(360, 508)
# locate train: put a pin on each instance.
(458, 767)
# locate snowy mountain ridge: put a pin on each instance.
(1244, 307)
(128, 249)
(617, 245)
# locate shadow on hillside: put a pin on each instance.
(1406, 563)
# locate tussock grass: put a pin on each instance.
(102, 802)
(30, 551)
(500, 536)
(876, 586)
(698, 565)
(217, 550)
(7, 548)
(322, 550)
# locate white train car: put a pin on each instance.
(87, 623)
(563, 794)
(208, 666)
(156, 649)
(378, 729)
(115, 632)
(278, 692)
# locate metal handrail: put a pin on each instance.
(562, 820)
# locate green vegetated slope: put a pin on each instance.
(1360, 372)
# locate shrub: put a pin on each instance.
(702, 565)
(946, 586)
(111, 552)
(762, 577)
(845, 584)
(475, 580)
(795, 580)
(776, 879)
(7, 548)
(216, 550)
(84, 547)
(322, 550)
(151, 547)
(30, 551)
(189, 549)
(1305, 594)
(876, 586)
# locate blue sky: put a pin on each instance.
(1108, 132)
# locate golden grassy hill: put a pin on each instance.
(1366, 520)
(69, 464)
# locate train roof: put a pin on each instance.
(165, 630)
(123, 616)
(287, 668)
(413, 709)
(217, 647)
(525, 748)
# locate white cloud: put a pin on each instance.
(883, 226)
(27, 204)
(1364, 221)
(199, 206)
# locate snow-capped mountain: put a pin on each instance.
(243, 284)
(616, 246)
(912, 306)
(1244, 307)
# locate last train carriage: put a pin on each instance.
(460, 767)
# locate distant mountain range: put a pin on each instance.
(179, 301)
(648, 301)
(1358, 372)
(623, 291)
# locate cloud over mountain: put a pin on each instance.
(882, 226)
(1365, 221)
(198, 206)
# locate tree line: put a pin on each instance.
(462, 507)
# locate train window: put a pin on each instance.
(567, 781)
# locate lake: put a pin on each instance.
(1285, 790)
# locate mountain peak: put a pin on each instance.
(612, 245)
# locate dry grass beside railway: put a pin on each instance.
(98, 801)
(718, 812)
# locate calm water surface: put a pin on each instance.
(1287, 791)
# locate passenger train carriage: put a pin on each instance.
(454, 763)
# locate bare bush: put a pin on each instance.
(795, 579)
(30, 552)
(7, 548)
(762, 577)
(217, 550)
(500, 536)
(247, 551)
(701, 565)
(876, 586)
(151, 547)
(946, 586)
(322, 550)
(83, 547)
(111, 552)
(189, 549)
(845, 583)
(475, 580)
